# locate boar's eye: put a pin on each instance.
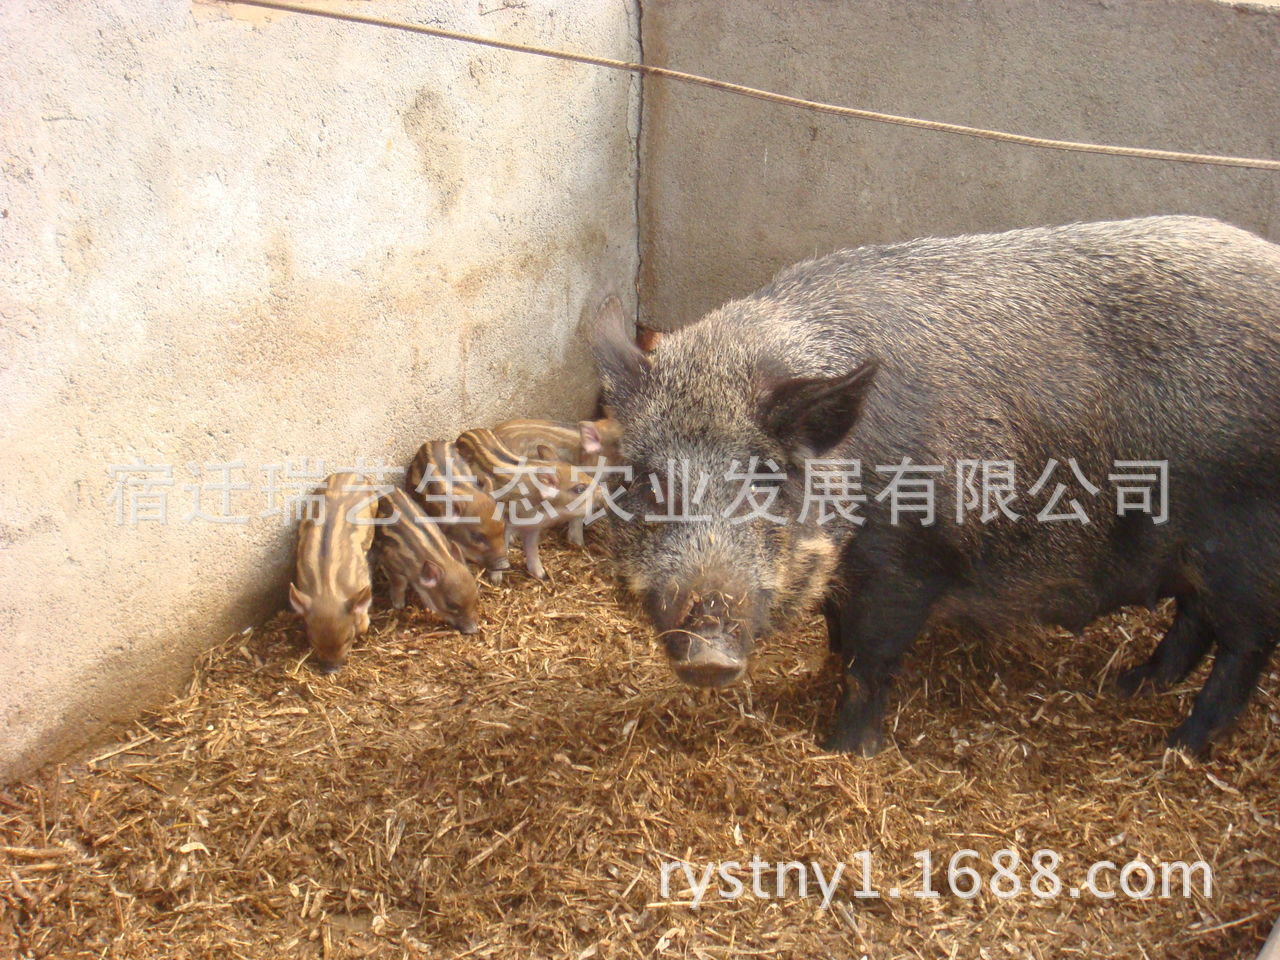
(775, 479)
(648, 492)
(579, 488)
(476, 536)
(641, 487)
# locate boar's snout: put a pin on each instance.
(704, 661)
(708, 648)
(328, 666)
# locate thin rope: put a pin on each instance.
(814, 105)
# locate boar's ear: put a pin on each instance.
(810, 415)
(590, 435)
(300, 602)
(544, 452)
(621, 362)
(431, 574)
(360, 602)
(455, 551)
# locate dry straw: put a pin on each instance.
(513, 795)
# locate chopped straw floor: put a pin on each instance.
(515, 793)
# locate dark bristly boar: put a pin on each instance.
(331, 588)
(1092, 345)
(413, 551)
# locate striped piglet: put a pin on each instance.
(331, 587)
(537, 493)
(441, 480)
(414, 551)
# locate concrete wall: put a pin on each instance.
(733, 189)
(257, 237)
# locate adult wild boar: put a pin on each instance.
(1093, 345)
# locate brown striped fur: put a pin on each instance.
(583, 443)
(559, 493)
(476, 523)
(514, 476)
(414, 551)
(331, 588)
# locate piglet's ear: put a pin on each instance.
(544, 452)
(810, 415)
(546, 479)
(622, 364)
(359, 603)
(300, 602)
(455, 551)
(431, 574)
(590, 434)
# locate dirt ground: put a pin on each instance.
(517, 792)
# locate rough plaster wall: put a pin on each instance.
(264, 237)
(733, 189)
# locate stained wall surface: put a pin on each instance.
(233, 237)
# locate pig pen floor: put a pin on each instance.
(514, 793)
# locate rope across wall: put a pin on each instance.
(649, 70)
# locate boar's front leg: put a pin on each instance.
(575, 533)
(874, 628)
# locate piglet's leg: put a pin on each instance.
(532, 562)
(399, 584)
(574, 532)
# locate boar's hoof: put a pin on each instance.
(494, 575)
(866, 740)
(1131, 681)
(1190, 737)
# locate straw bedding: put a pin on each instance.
(515, 793)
